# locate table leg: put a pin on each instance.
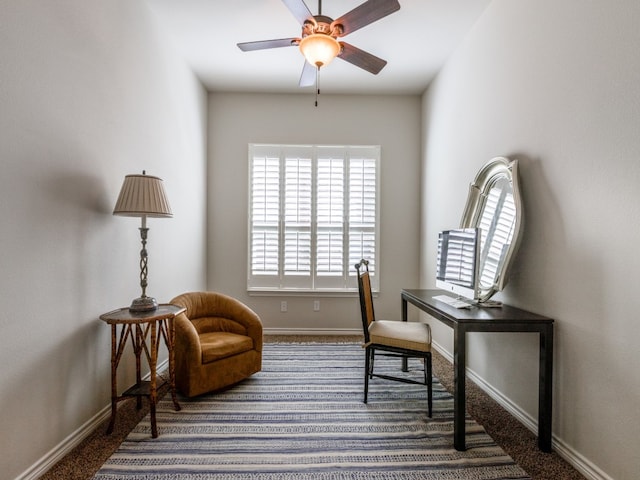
(137, 349)
(171, 336)
(459, 364)
(545, 401)
(114, 383)
(153, 394)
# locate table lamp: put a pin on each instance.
(142, 196)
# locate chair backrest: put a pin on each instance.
(366, 297)
(216, 312)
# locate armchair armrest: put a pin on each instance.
(187, 340)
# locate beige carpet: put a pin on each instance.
(513, 437)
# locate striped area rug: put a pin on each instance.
(302, 417)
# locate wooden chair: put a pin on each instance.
(395, 338)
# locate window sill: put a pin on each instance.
(301, 293)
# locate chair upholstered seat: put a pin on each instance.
(407, 335)
(218, 342)
(218, 345)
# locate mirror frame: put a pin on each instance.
(496, 169)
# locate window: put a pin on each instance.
(313, 215)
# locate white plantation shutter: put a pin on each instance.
(265, 213)
(330, 215)
(297, 219)
(313, 216)
(362, 212)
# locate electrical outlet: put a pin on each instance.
(316, 305)
(283, 306)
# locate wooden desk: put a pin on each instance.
(138, 327)
(477, 319)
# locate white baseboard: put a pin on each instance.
(59, 451)
(313, 331)
(73, 440)
(579, 462)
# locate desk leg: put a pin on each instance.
(405, 317)
(459, 364)
(545, 386)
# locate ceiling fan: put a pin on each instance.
(318, 41)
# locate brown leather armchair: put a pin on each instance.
(218, 342)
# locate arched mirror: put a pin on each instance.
(494, 205)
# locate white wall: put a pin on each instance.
(89, 93)
(556, 85)
(235, 120)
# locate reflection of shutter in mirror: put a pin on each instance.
(497, 223)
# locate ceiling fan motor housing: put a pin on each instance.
(321, 24)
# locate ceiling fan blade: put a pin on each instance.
(263, 44)
(299, 10)
(366, 13)
(308, 76)
(361, 59)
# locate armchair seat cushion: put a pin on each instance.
(219, 345)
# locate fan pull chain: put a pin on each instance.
(317, 84)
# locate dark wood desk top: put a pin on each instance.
(503, 315)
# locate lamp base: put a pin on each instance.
(143, 304)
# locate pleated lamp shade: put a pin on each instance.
(142, 195)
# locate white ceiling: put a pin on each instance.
(415, 41)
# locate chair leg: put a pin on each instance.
(367, 366)
(429, 374)
(425, 370)
(372, 361)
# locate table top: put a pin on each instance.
(124, 315)
(495, 315)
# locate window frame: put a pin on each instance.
(314, 284)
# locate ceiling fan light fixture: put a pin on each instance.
(319, 49)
